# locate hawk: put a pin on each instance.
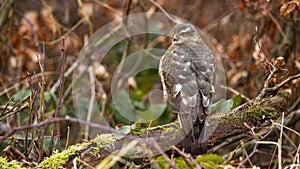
(187, 72)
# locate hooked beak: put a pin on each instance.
(175, 38)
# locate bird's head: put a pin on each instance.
(182, 33)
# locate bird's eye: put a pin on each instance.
(183, 34)
(175, 38)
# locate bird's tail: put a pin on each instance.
(194, 142)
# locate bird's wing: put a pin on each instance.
(180, 85)
(204, 68)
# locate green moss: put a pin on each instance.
(233, 120)
(95, 151)
(5, 164)
(169, 130)
(257, 113)
(58, 160)
(139, 131)
(104, 140)
(172, 130)
(284, 93)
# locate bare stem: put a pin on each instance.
(61, 91)
(187, 156)
(266, 89)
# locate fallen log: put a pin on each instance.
(231, 125)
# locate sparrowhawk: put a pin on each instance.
(187, 72)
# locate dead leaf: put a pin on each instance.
(49, 19)
(100, 71)
(279, 62)
(289, 7)
(72, 42)
(30, 17)
(86, 10)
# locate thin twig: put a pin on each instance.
(277, 25)
(92, 99)
(113, 10)
(4, 10)
(266, 89)
(187, 156)
(294, 105)
(271, 142)
(30, 114)
(14, 110)
(235, 92)
(62, 78)
(244, 150)
(69, 31)
(171, 163)
(95, 125)
(35, 36)
(255, 146)
(41, 112)
(281, 125)
(280, 142)
(85, 16)
(6, 90)
(67, 73)
(68, 137)
(227, 142)
(6, 106)
(61, 92)
(284, 82)
(163, 10)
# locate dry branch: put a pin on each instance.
(256, 114)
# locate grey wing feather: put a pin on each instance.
(175, 68)
(187, 74)
(204, 66)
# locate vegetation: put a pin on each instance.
(78, 84)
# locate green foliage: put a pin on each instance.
(51, 101)
(58, 160)
(5, 164)
(48, 97)
(208, 161)
(104, 140)
(135, 99)
(165, 118)
(224, 106)
(126, 129)
(161, 162)
(180, 163)
(3, 145)
(237, 99)
(21, 94)
(284, 93)
(127, 110)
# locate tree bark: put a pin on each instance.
(231, 127)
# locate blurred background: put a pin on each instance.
(245, 33)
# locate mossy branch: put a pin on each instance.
(231, 124)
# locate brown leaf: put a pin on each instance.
(25, 27)
(279, 62)
(297, 64)
(100, 71)
(49, 20)
(86, 10)
(72, 42)
(289, 7)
